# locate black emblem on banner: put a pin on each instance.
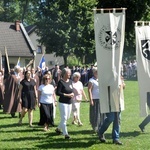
(107, 38)
(146, 48)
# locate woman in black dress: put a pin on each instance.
(28, 95)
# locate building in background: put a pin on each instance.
(51, 59)
(14, 37)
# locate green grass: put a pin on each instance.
(13, 136)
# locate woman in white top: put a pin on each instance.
(78, 92)
(46, 94)
(93, 90)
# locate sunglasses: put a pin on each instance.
(47, 78)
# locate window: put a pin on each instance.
(39, 50)
(51, 63)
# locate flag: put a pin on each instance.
(109, 38)
(142, 31)
(42, 63)
(18, 63)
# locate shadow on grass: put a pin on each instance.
(124, 134)
(19, 128)
(130, 134)
(5, 117)
(71, 144)
(50, 141)
(53, 141)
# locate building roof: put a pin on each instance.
(17, 43)
(30, 29)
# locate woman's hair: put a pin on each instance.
(47, 72)
(76, 74)
(25, 74)
(64, 71)
(1, 71)
(94, 70)
(45, 77)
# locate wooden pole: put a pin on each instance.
(142, 23)
(30, 63)
(109, 10)
(1, 61)
(6, 54)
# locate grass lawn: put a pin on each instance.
(13, 136)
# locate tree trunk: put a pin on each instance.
(24, 10)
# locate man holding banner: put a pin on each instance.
(109, 36)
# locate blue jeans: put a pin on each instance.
(111, 117)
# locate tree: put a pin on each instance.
(136, 10)
(12, 10)
(27, 11)
(66, 27)
(82, 24)
(9, 12)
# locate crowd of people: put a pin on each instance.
(129, 69)
(22, 90)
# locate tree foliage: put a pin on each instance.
(12, 10)
(136, 10)
(66, 27)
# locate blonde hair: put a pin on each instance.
(94, 69)
(76, 74)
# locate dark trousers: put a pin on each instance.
(145, 121)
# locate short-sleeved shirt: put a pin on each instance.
(78, 90)
(27, 85)
(28, 93)
(95, 88)
(47, 92)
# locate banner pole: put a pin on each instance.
(1, 60)
(7, 59)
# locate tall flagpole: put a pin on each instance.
(1, 60)
(7, 59)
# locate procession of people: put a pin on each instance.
(21, 91)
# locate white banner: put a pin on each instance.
(109, 38)
(143, 65)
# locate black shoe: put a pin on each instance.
(117, 142)
(19, 115)
(102, 138)
(142, 128)
(13, 115)
(58, 131)
(67, 137)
